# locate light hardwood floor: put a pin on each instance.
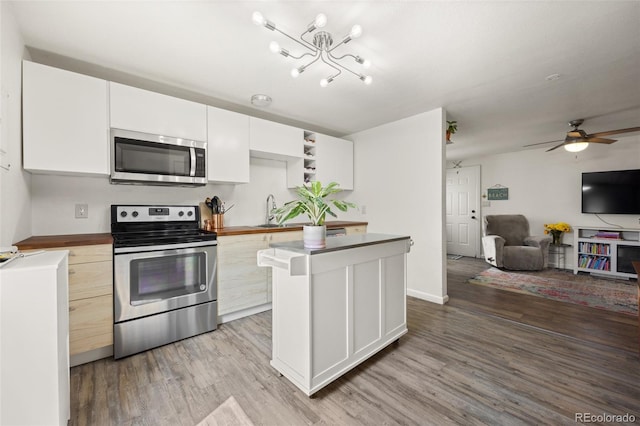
(461, 363)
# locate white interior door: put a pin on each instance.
(463, 200)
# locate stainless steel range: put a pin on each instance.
(165, 276)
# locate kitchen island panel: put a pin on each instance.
(329, 320)
(331, 308)
(367, 322)
(395, 307)
(292, 321)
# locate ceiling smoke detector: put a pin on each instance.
(261, 100)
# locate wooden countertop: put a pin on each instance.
(50, 241)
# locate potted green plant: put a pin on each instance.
(314, 201)
(452, 127)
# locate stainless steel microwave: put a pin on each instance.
(146, 159)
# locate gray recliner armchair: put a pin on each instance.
(507, 243)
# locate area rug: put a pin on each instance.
(564, 286)
(229, 413)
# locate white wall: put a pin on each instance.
(545, 186)
(15, 198)
(399, 178)
(54, 198)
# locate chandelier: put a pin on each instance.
(320, 47)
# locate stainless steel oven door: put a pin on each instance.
(154, 279)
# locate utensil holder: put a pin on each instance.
(217, 221)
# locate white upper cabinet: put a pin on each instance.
(228, 146)
(65, 121)
(274, 140)
(149, 112)
(334, 161)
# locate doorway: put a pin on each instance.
(462, 211)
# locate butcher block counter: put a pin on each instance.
(57, 241)
(51, 241)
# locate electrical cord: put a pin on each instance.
(612, 224)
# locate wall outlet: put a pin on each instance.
(82, 211)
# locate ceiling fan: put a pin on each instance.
(578, 140)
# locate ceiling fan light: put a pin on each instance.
(576, 146)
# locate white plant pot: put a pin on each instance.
(314, 237)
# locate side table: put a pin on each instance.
(560, 253)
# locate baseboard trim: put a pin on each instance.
(441, 300)
(243, 313)
(90, 356)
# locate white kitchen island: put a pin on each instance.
(335, 307)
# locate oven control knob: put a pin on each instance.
(202, 287)
(123, 214)
(134, 214)
(189, 213)
(181, 214)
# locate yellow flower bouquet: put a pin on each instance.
(556, 230)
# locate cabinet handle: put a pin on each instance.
(71, 272)
(71, 253)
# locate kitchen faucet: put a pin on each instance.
(269, 216)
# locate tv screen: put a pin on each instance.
(614, 192)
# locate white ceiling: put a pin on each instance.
(484, 62)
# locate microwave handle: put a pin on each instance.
(192, 169)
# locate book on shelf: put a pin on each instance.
(614, 235)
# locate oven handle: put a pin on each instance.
(141, 249)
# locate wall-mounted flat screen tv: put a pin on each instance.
(614, 192)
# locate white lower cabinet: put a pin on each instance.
(228, 146)
(34, 341)
(65, 121)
